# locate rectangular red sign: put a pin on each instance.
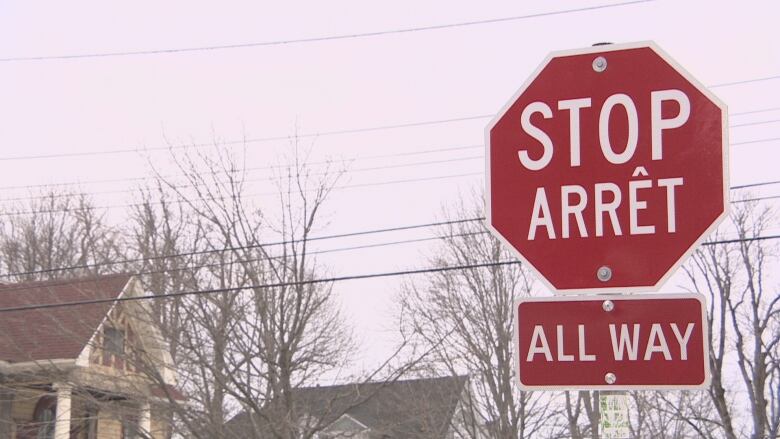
(612, 342)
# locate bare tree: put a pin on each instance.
(673, 415)
(582, 415)
(259, 324)
(296, 332)
(166, 243)
(47, 232)
(266, 328)
(467, 316)
(743, 330)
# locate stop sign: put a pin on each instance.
(607, 168)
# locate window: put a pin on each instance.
(130, 428)
(44, 416)
(114, 341)
(91, 421)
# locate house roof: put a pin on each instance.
(418, 408)
(54, 333)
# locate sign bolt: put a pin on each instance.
(604, 273)
(600, 64)
(608, 305)
(610, 378)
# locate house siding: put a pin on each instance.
(24, 405)
(109, 427)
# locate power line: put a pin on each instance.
(258, 168)
(401, 154)
(763, 110)
(737, 240)
(181, 201)
(341, 187)
(288, 42)
(246, 247)
(747, 200)
(244, 141)
(249, 180)
(257, 287)
(746, 81)
(244, 261)
(748, 142)
(307, 282)
(277, 243)
(306, 135)
(316, 252)
(766, 183)
(761, 122)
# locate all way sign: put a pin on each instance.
(612, 342)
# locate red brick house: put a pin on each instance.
(98, 370)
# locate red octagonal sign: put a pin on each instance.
(607, 168)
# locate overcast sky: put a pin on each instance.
(399, 66)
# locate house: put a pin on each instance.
(430, 408)
(96, 369)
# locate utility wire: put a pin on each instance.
(249, 180)
(744, 186)
(258, 168)
(341, 187)
(426, 151)
(745, 81)
(738, 240)
(256, 287)
(748, 142)
(760, 122)
(241, 141)
(250, 260)
(248, 247)
(746, 200)
(763, 110)
(400, 154)
(302, 283)
(317, 39)
(277, 243)
(373, 168)
(289, 137)
(317, 252)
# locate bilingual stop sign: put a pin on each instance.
(607, 168)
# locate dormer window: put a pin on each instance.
(114, 341)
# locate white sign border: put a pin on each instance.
(613, 297)
(725, 159)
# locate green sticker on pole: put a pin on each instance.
(614, 416)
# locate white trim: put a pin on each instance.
(63, 411)
(27, 366)
(705, 341)
(351, 418)
(725, 159)
(82, 359)
(145, 418)
(148, 332)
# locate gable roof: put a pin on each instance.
(418, 408)
(54, 333)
